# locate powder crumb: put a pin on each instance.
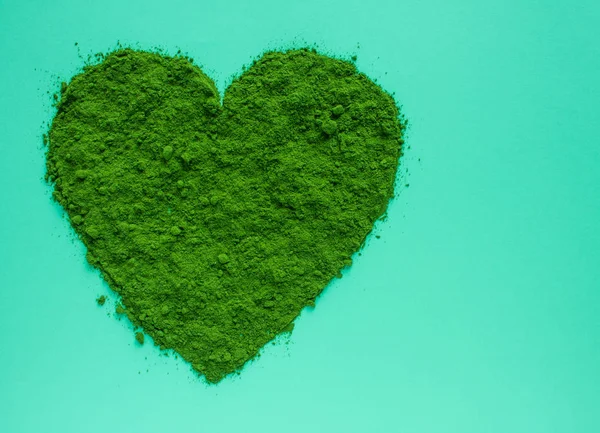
(139, 337)
(223, 258)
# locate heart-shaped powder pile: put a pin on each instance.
(218, 223)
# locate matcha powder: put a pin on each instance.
(217, 223)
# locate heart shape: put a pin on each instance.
(218, 223)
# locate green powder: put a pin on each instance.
(218, 223)
(139, 337)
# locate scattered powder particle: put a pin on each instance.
(139, 337)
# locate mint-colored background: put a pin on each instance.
(477, 311)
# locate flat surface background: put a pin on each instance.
(477, 310)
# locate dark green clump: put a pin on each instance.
(101, 300)
(217, 224)
(139, 337)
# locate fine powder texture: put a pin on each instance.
(217, 223)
